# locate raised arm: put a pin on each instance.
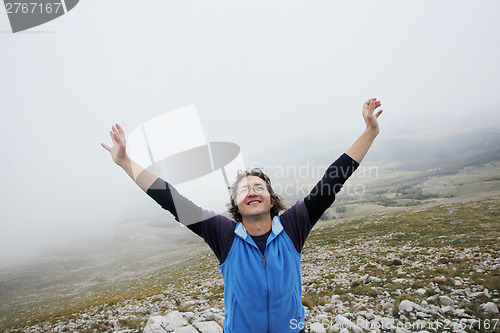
(323, 194)
(359, 149)
(215, 229)
(143, 178)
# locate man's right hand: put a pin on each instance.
(119, 149)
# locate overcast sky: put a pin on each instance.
(263, 75)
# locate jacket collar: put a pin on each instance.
(276, 228)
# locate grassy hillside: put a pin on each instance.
(396, 227)
(453, 246)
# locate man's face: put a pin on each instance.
(253, 198)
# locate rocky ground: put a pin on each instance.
(430, 270)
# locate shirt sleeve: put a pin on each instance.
(295, 221)
(323, 194)
(215, 229)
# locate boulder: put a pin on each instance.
(490, 307)
(185, 329)
(362, 323)
(476, 294)
(406, 305)
(208, 327)
(208, 315)
(162, 324)
(402, 330)
(346, 323)
(369, 316)
(446, 301)
(188, 315)
(387, 323)
(420, 291)
(447, 309)
(317, 328)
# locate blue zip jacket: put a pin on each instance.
(263, 291)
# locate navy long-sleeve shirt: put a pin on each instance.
(218, 230)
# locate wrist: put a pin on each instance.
(123, 162)
(372, 131)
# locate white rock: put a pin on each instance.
(476, 294)
(188, 315)
(387, 323)
(490, 307)
(154, 325)
(445, 300)
(402, 330)
(362, 323)
(420, 291)
(434, 309)
(424, 331)
(160, 324)
(185, 329)
(322, 318)
(461, 314)
(421, 314)
(209, 315)
(348, 315)
(369, 316)
(406, 305)
(336, 327)
(346, 323)
(447, 309)
(208, 327)
(317, 328)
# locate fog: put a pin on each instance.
(266, 75)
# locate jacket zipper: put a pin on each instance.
(267, 291)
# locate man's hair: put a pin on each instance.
(258, 172)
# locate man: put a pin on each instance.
(259, 252)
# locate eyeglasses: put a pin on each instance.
(244, 190)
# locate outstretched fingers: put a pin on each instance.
(372, 104)
(113, 136)
(105, 146)
(120, 129)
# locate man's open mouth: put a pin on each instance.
(253, 202)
